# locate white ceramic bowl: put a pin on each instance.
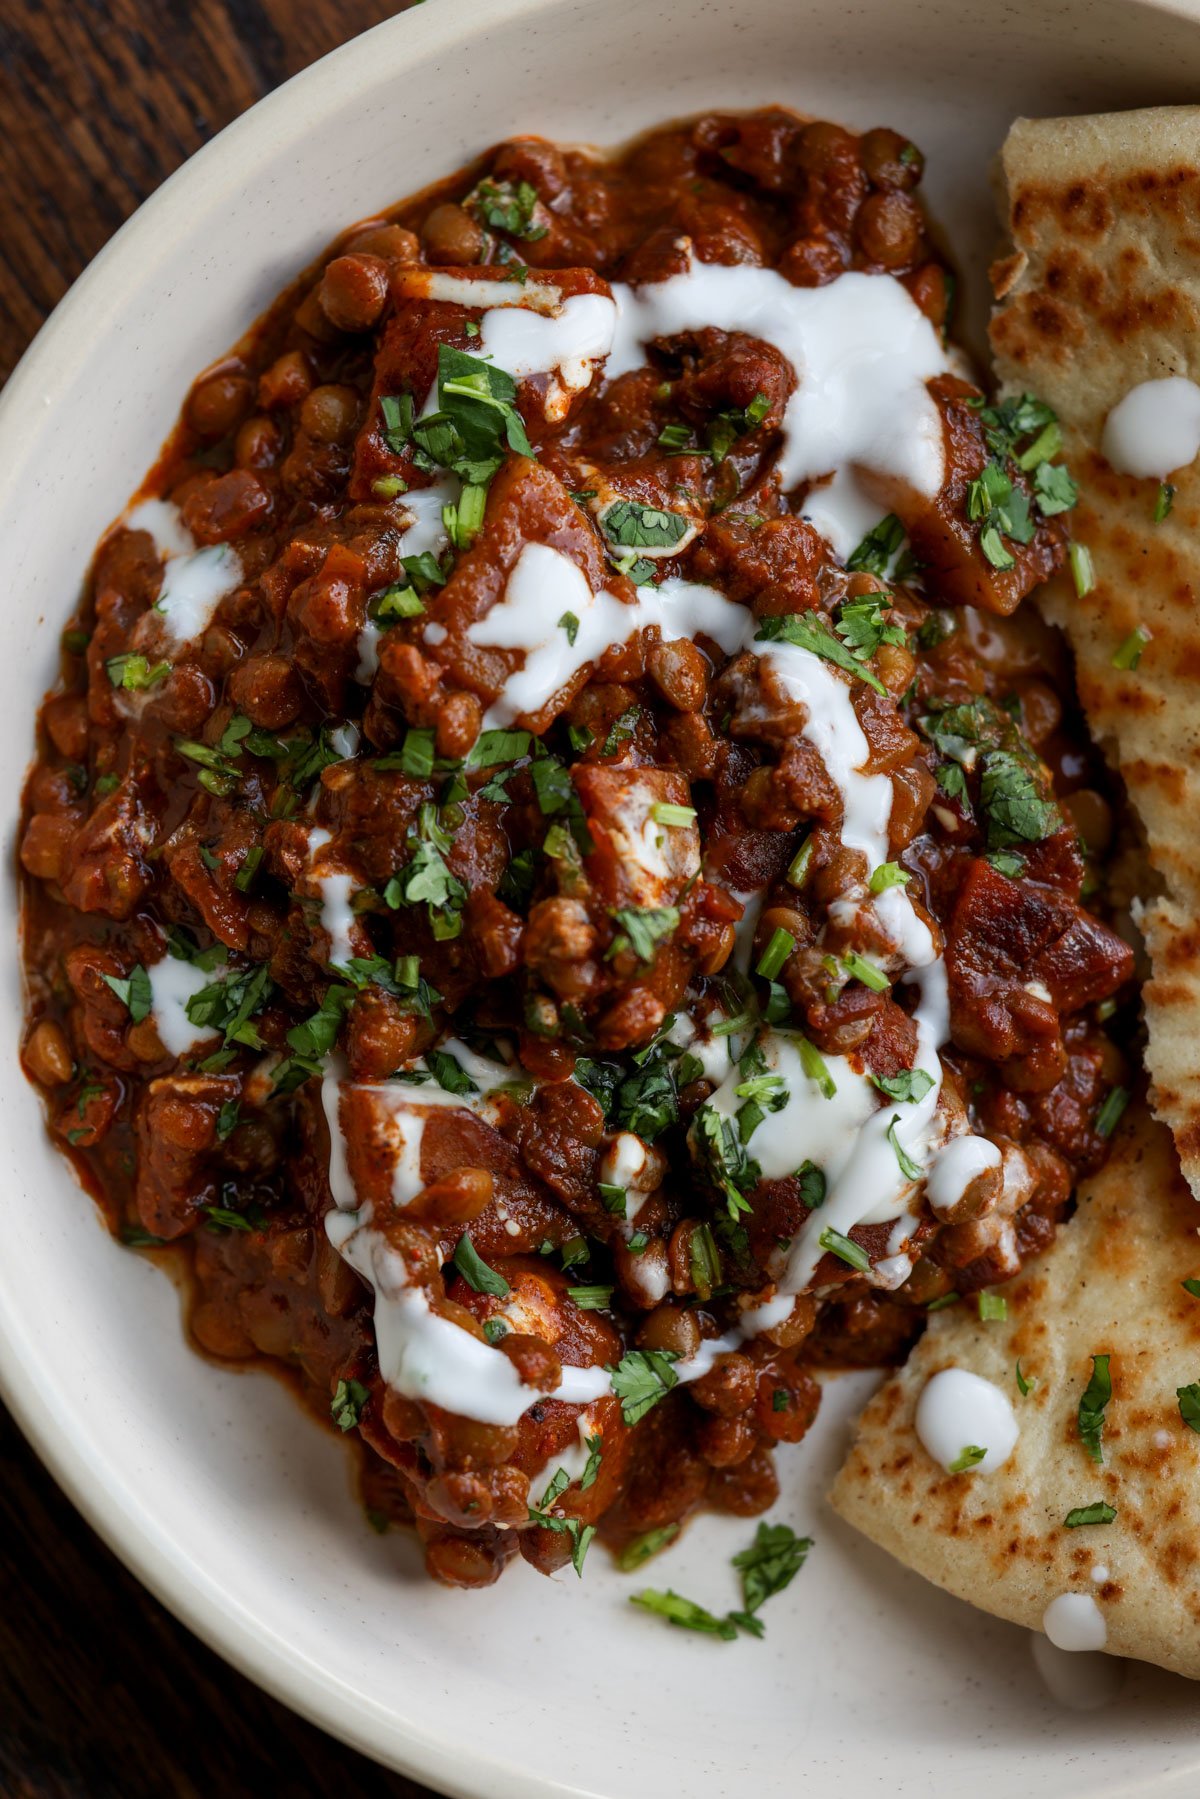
(232, 1506)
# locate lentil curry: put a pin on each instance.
(555, 867)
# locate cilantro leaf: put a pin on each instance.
(134, 992)
(637, 527)
(507, 206)
(346, 1406)
(643, 928)
(970, 1457)
(685, 1614)
(134, 673)
(1091, 1407)
(810, 631)
(641, 1378)
(1014, 799)
(640, 1549)
(475, 1270)
(911, 1084)
(1099, 1512)
(875, 552)
(1189, 1404)
(771, 1563)
(229, 1004)
(449, 1072)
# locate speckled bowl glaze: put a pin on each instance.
(227, 1501)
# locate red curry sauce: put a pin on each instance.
(178, 788)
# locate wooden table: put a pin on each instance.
(102, 1694)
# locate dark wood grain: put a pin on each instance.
(102, 1694)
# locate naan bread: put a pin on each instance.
(1111, 1284)
(1102, 291)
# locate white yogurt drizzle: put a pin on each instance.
(545, 586)
(865, 1183)
(528, 328)
(337, 889)
(862, 350)
(861, 424)
(957, 1165)
(1155, 429)
(425, 531)
(173, 982)
(194, 581)
(958, 1410)
(422, 1354)
(572, 1460)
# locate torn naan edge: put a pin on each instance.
(1101, 292)
(1111, 1284)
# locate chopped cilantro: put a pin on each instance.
(911, 1084)
(636, 527)
(875, 552)
(590, 1299)
(1189, 1404)
(909, 1169)
(229, 1004)
(449, 1072)
(705, 1261)
(640, 1549)
(642, 929)
(1109, 1115)
(721, 1149)
(771, 1563)
(812, 1185)
(685, 1614)
(1096, 1396)
(810, 631)
(863, 625)
(134, 673)
(1015, 799)
(228, 1119)
(888, 874)
(1054, 489)
(1082, 572)
(641, 1378)
(346, 1406)
(1129, 654)
(475, 1271)
(507, 206)
(780, 947)
(845, 1249)
(134, 992)
(1099, 1512)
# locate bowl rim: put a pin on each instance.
(47, 365)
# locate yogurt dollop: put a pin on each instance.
(1074, 1621)
(1155, 429)
(960, 1411)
